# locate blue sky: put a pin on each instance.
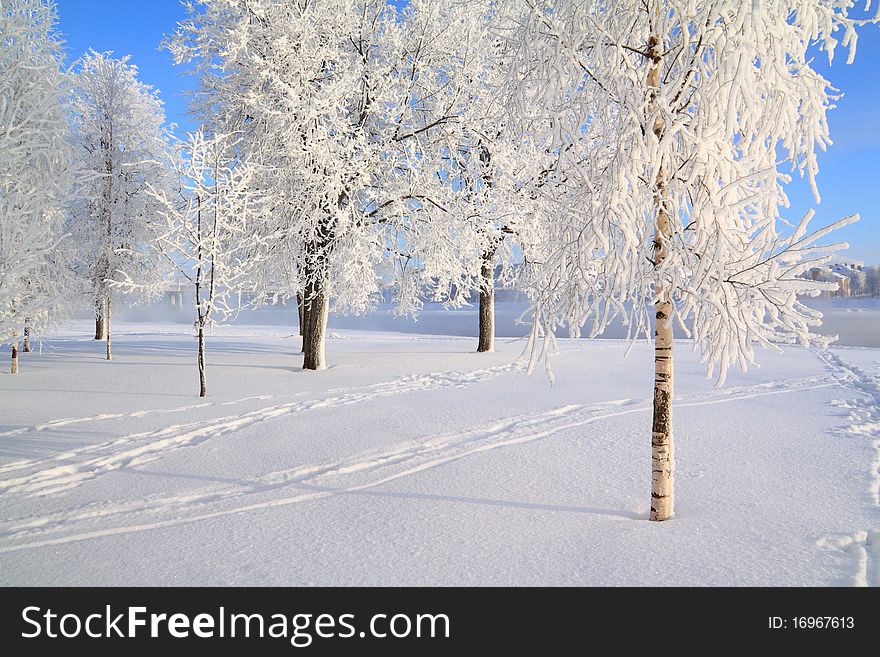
(849, 177)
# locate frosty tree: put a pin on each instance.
(35, 171)
(121, 149)
(493, 171)
(678, 120)
(341, 102)
(207, 234)
(498, 215)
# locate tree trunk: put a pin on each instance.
(662, 461)
(315, 333)
(14, 368)
(109, 326)
(662, 456)
(301, 311)
(487, 307)
(203, 390)
(27, 335)
(99, 320)
(306, 312)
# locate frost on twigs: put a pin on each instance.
(121, 151)
(36, 171)
(354, 112)
(676, 125)
(207, 233)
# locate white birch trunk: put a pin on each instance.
(662, 462)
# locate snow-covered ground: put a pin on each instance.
(413, 461)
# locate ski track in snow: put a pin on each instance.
(863, 547)
(73, 467)
(63, 422)
(357, 473)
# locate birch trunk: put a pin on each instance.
(14, 368)
(109, 326)
(315, 331)
(27, 335)
(203, 390)
(662, 462)
(487, 307)
(99, 320)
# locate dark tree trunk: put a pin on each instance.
(14, 368)
(99, 320)
(109, 326)
(99, 326)
(315, 330)
(487, 307)
(316, 295)
(27, 335)
(203, 390)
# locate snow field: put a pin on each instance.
(413, 461)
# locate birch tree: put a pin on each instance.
(207, 234)
(35, 169)
(680, 122)
(121, 149)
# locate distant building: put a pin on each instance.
(851, 279)
(825, 275)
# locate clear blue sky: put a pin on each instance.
(849, 178)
